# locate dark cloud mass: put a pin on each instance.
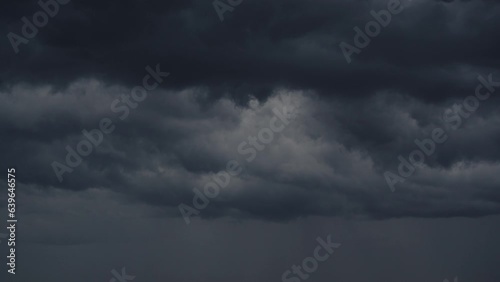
(351, 120)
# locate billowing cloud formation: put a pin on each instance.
(328, 161)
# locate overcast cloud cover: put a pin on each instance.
(324, 173)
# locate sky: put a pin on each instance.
(228, 140)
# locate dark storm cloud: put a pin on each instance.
(260, 45)
(355, 119)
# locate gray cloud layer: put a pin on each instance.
(329, 161)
